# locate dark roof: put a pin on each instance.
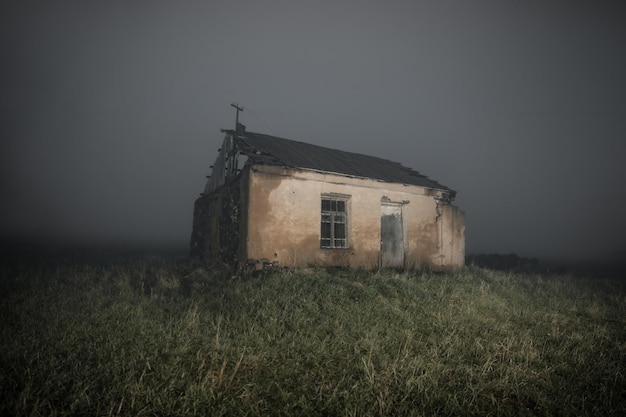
(272, 150)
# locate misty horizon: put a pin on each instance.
(111, 114)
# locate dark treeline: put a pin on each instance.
(512, 262)
(23, 252)
(503, 262)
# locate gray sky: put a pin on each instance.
(111, 112)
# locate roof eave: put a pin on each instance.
(251, 162)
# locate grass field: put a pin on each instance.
(171, 338)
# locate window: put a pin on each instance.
(334, 225)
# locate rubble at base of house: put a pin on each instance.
(262, 264)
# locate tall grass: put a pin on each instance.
(174, 338)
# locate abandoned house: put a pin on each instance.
(274, 201)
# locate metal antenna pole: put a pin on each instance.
(238, 108)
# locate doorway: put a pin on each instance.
(391, 236)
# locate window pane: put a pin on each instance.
(325, 243)
(341, 206)
(340, 243)
(325, 218)
(340, 218)
(325, 205)
(333, 205)
(325, 230)
(340, 231)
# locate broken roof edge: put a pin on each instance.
(260, 157)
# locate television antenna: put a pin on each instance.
(238, 108)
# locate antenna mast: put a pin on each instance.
(238, 109)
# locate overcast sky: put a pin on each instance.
(110, 112)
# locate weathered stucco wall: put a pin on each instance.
(284, 210)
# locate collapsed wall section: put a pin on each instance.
(217, 221)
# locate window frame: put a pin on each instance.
(333, 214)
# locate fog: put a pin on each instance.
(110, 113)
